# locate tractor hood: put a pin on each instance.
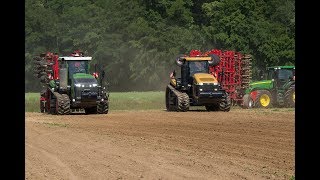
(265, 84)
(201, 78)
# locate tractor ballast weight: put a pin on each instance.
(196, 86)
(276, 90)
(68, 85)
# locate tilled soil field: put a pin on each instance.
(240, 144)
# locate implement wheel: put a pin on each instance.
(264, 99)
(247, 101)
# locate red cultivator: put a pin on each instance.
(233, 72)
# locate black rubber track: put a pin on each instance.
(225, 104)
(103, 107)
(176, 100)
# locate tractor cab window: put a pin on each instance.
(285, 74)
(198, 67)
(77, 67)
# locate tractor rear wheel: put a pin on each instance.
(290, 97)
(247, 101)
(264, 99)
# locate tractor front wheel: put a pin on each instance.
(264, 99)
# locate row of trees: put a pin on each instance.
(138, 40)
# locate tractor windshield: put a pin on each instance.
(198, 67)
(78, 67)
(85, 81)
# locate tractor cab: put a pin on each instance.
(74, 74)
(70, 88)
(281, 74)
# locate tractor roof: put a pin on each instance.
(281, 67)
(71, 58)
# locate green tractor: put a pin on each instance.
(276, 90)
(68, 85)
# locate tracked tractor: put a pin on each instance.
(196, 86)
(68, 85)
(276, 90)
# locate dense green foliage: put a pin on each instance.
(138, 40)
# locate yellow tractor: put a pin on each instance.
(196, 86)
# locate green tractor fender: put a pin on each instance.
(256, 87)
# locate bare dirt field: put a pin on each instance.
(240, 144)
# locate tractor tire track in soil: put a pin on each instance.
(155, 144)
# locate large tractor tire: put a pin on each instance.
(225, 104)
(103, 107)
(290, 97)
(263, 99)
(247, 101)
